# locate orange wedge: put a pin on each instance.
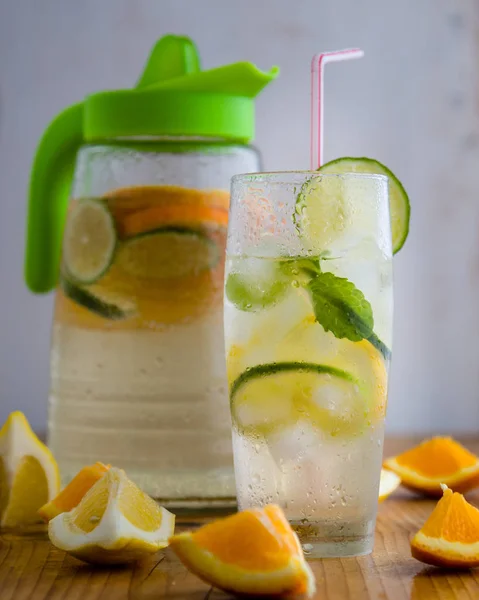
(72, 494)
(450, 537)
(435, 461)
(252, 552)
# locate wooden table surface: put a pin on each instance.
(31, 568)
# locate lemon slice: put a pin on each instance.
(89, 241)
(29, 475)
(307, 341)
(114, 523)
(367, 365)
(389, 482)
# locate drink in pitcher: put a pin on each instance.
(137, 378)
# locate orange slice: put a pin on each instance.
(252, 552)
(435, 461)
(450, 537)
(160, 216)
(124, 202)
(72, 494)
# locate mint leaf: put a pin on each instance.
(340, 307)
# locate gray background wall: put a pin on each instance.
(412, 102)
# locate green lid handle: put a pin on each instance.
(50, 186)
(172, 56)
(173, 97)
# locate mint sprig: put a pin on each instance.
(340, 307)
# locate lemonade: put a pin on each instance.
(308, 327)
(138, 376)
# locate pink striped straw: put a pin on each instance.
(317, 98)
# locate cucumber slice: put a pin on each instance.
(169, 252)
(89, 241)
(269, 397)
(121, 309)
(399, 206)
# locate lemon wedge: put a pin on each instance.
(114, 523)
(389, 482)
(29, 475)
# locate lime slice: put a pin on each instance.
(255, 283)
(273, 396)
(106, 305)
(89, 241)
(169, 252)
(399, 206)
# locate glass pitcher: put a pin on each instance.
(127, 219)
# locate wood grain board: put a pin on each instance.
(32, 569)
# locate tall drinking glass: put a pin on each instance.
(308, 324)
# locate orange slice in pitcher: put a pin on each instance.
(435, 461)
(143, 208)
(131, 199)
(157, 217)
(450, 537)
(252, 552)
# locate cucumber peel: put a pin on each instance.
(94, 303)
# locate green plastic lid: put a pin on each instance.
(173, 98)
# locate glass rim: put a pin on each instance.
(288, 175)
